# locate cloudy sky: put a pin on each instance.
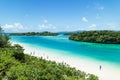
(59, 15)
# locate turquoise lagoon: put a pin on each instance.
(108, 53)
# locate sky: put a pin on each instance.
(59, 15)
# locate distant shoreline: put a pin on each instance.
(46, 33)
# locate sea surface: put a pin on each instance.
(109, 53)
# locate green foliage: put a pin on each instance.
(107, 37)
(18, 52)
(6, 61)
(34, 34)
(4, 39)
(92, 77)
(37, 68)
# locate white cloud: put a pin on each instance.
(52, 26)
(84, 19)
(15, 27)
(18, 25)
(46, 26)
(92, 27)
(45, 21)
(99, 6)
(69, 27)
(41, 26)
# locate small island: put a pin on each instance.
(46, 33)
(104, 36)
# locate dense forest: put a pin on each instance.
(34, 34)
(15, 65)
(106, 37)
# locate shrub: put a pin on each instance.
(18, 53)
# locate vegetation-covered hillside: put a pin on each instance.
(107, 37)
(15, 65)
(34, 34)
(32, 68)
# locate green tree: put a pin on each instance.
(19, 52)
(106, 37)
(4, 39)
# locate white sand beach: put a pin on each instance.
(107, 72)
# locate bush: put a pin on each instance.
(4, 39)
(18, 53)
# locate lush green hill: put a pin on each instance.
(106, 37)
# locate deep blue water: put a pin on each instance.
(103, 52)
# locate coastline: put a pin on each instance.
(107, 72)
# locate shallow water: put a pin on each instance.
(102, 52)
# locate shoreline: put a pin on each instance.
(107, 72)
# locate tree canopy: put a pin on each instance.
(34, 34)
(4, 39)
(106, 37)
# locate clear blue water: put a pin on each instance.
(103, 52)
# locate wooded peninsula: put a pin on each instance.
(46, 33)
(105, 37)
